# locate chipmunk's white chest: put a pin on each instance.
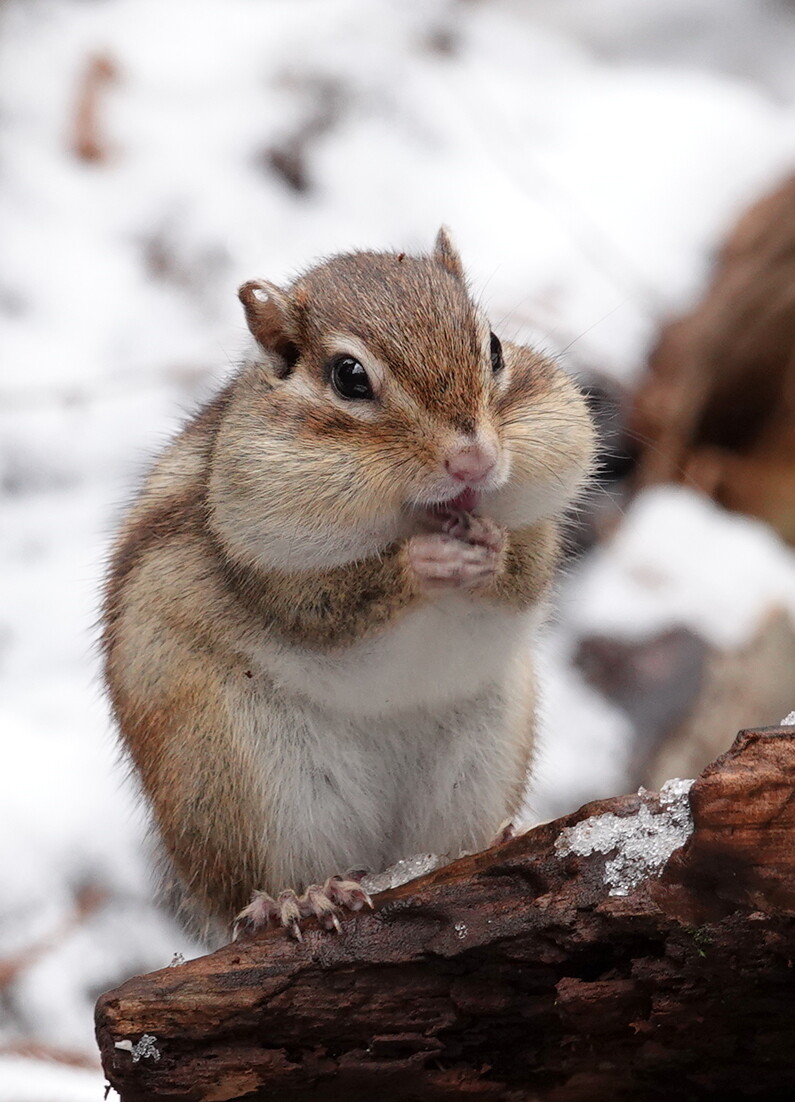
(412, 741)
(446, 651)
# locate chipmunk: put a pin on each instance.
(319, 611)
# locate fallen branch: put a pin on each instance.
(596, 957)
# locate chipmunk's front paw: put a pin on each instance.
(322, 902)
(466, 556)
(478, 531)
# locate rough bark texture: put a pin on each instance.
(717, 409)
(512, 974)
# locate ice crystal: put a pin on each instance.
(640, 844)
(143, 1050)
(409, 868)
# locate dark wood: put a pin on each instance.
(511, 974)
(717, 407)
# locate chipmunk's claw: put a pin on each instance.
(322, 902)
(347, 893)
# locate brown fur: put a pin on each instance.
(160, 523)
(531, 556)
(203, 801)
(435, 322)
(330, 608)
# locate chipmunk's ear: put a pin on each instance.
(268, 316)
(446, 254)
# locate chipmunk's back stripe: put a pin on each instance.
(183, 513)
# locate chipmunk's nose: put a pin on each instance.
(472, 463)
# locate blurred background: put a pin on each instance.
(618, 178)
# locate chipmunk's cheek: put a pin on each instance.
(536, 488)
(519, 506)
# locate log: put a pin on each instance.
(716, 407)
(641, 947)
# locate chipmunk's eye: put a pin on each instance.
(497, 363)
(349, 378)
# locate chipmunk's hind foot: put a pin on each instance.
(323, 902)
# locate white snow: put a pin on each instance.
(584, 742)
(24, 1079)
(408, 868)
(742, 38)
(143, 1049)
(789, 720)
(641, 843)
(588, 159)
(678, 559)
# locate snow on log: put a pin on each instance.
(641, 947)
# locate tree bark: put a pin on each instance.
(717, 407)
(519, 973)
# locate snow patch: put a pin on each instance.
(145, 1049)
(640, 843)
(680, 560)
(576, 725)
(789, 720)
(408, 868)
(25, 1079)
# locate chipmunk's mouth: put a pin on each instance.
(465, 502)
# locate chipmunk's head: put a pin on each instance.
(381, 392)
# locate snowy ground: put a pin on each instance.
(588, 157)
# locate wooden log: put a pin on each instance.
(595, 957)
(716, 407)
